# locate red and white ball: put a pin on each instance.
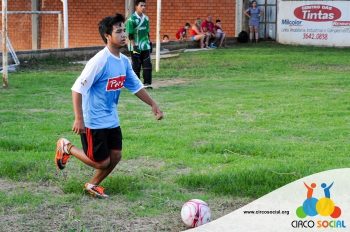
(195, 213)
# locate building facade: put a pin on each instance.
(84, 16)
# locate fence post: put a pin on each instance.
(4, 43)
(59, 30)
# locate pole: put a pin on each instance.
(239, 16)
(35, 25)
(129, 8)
(59, 30)
(159, 5)
(65, 23)
(4, 43)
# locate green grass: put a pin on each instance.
(250, 119)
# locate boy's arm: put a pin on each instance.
(144, 96)
(78, 125)
(130, 31)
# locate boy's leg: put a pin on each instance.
(80, 155)
(65, 149)
(212, 41)
(101, 174)
(113, 139)
(136, 63)
(147, 68)
(95, 151)
(199, 38)
(223, 35)
(208, 40)
(102, 150)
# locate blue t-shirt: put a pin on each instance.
(100, 84)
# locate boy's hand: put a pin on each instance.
(157, 112)
(78, 127)
(136, 50)
(143, 96)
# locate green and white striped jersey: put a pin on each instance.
(139, 28)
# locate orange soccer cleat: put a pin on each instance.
(62, 153)
(95, 190)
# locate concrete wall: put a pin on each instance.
(85, 53)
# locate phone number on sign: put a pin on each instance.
(315, 36)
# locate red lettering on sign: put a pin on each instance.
(317, 13)
(115, 83)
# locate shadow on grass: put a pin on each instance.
(120, 184)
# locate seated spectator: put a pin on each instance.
(181, 34)
(165, 39)
(197, 34)
(220, 34)
(208, 28)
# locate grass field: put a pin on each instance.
(241, 122)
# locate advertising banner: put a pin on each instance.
(322, 23)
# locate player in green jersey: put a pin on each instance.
(137, 28)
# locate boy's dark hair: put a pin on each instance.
(218, 21)
(137, 2)
(105, 26)
(187, 25)
(165, 36)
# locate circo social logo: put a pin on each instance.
(323, 206)
(317, 13)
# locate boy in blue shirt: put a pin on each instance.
(95, 96)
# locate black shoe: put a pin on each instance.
(148, 86)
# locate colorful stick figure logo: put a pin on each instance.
(323, 206)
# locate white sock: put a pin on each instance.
(90, 186)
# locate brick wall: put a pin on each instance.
(176, 13)
(84, 16)
(19, 26)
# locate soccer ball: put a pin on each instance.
(195, 213)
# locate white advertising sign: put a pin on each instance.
(319, 202)
(323, 23)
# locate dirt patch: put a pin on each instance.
(169, 82)
(123, 220)
(58, 212)
(18, 187)
(132, 165)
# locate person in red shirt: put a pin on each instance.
(181, 34)
(208, 28)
